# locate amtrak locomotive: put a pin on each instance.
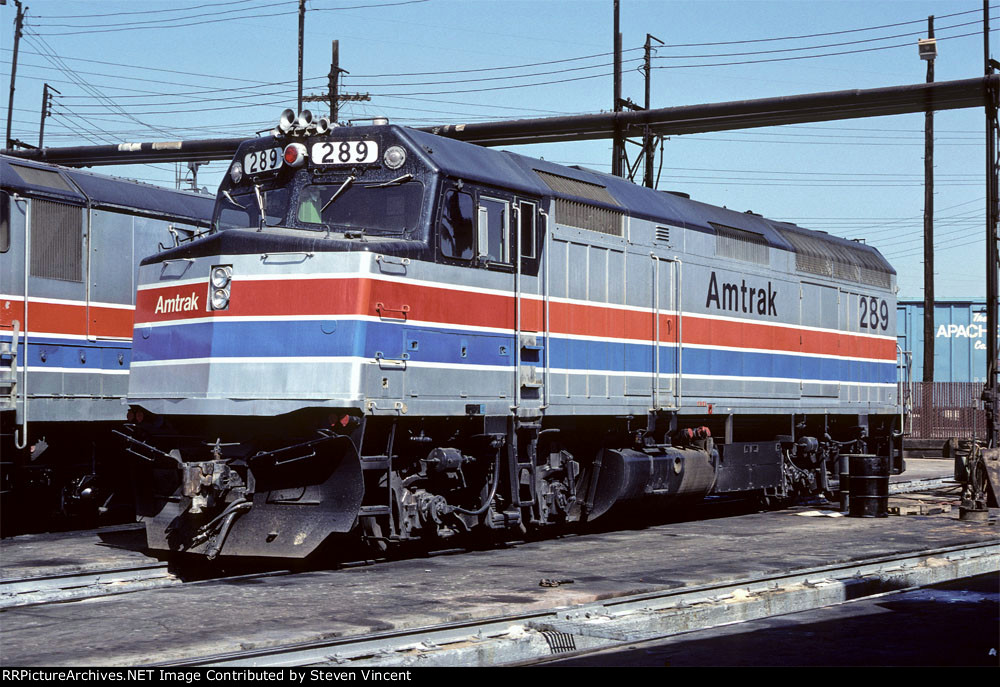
(70, 245)
(393, 335)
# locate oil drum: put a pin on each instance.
(843, 462)
(869, 486)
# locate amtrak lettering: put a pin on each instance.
(177, 304)
(741, 298)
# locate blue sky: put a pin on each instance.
(162, 70)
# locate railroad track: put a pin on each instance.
(39, 591)
(62, 588)
(33, 591)
(523, 638)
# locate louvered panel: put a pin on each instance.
(56, 241)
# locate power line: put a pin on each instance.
(810, 47)
(137, 24)
(821, 35)
(170, 71)
(120, 14)
(160, 24)
(810, 57)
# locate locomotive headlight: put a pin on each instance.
(219, 280)
(295, 154)
(394, 157)
(236, 172)
(221, 276)
(220, 299)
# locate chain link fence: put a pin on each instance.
(948, 409)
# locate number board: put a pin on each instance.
(262, 160)
(344, 153)
(873, 313)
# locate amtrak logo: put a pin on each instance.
(741, 298)
(176, 304)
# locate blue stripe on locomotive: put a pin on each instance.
(369, 340)
(66, 353)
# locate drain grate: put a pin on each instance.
(559, 642)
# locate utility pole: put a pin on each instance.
(991, 392)
(193, 168)
(647, 139)
(334, 81)
(333, 95)
(617, 148)
(928, 51)
(46, 111)
(18, 26)
(302, 33)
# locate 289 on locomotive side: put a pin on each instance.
(397, 336)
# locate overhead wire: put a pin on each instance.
(163, 23)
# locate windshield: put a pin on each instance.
(385, 209)
(239, 211)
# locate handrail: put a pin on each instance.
(23, 387)
(547, 248)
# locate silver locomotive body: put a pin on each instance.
(70, 245)
(404, 336)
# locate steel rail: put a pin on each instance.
(49, 589)
(44, 589)
(521, 637)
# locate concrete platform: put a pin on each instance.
(884, 631)
(215, 617)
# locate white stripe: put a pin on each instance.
(329, 318)
(63, 301)
(526, 296)
(506, 332)
(277, 360)
(488, 368)
(725, 378)
(171, 283)
(73, 370)
(72, 337)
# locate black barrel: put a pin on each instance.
(845, 482)
(869, 491)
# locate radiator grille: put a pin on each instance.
(740, 244)
(56, 241)
(590, 217)
(818, 256)
(575, 187)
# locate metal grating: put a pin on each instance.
(740, 244)
(590, 217)
(559, 642)
(663, 234)
(575, 187)
(816, 255)
(56, 241)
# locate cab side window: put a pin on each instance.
(4, 222)
(458, 236)
(494, 230)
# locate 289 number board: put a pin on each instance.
(344, 153)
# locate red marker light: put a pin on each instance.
(295, 154)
